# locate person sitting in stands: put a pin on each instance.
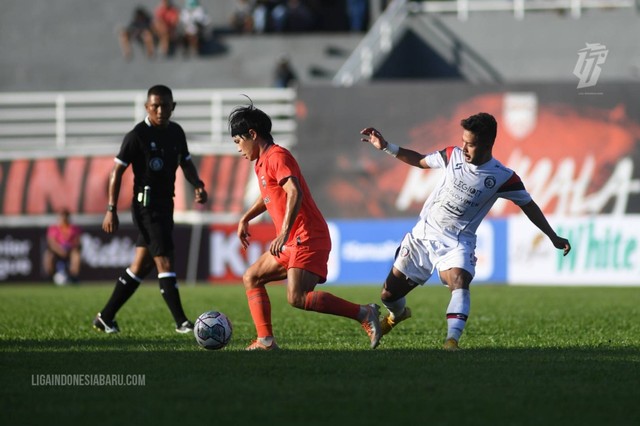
(139, 29)
(62, 255)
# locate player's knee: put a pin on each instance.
(251, 280)
(458, 279)
(296, 300)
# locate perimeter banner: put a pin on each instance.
(40, 186)
(104, 257)
(577, 154)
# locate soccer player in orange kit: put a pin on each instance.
(300, 251)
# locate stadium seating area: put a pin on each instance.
(72, 45)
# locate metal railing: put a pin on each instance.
(519, 7)
(70, 123)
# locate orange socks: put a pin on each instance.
(327, 303)
(318, 301)
(260, 308)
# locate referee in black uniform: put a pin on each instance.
(154, 149)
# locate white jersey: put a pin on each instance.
(465, 195)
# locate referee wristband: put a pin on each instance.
(391, 149)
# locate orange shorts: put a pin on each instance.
(307, 258)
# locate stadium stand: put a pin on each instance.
(495, 41)
(70, 45)
(58, 51)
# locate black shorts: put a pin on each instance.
(155, 226)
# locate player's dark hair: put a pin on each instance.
(482, 125)
(159, 90)
(244, 118)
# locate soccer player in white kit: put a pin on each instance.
(444, 238)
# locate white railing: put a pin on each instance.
(69, 123)
(519, 7)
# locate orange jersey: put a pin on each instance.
(309, 228)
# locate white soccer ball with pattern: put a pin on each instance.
(213, 330)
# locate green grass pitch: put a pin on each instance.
(531, 356)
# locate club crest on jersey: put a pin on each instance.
(156, 164)
(404, 251)
(489, 182)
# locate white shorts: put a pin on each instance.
(418, 258)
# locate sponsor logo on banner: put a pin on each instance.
(520, 113)
(367, 250)
(227, 260)
(551, 140)
(605, 251)
(117, 252)
(15, 257)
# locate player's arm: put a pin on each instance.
(243, 225)
(291, 187)
(191, 174)
(536, 216)
(110, 223)
(408, 156)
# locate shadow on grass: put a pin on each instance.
(529, 386)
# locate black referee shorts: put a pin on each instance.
(155, 226)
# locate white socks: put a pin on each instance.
(395, 308)
(458, 312)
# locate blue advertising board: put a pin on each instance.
(363, 250)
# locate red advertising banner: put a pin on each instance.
(227, 260)
(577, 154)
(46, 185)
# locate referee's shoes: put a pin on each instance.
(185, 327)
(106, 326)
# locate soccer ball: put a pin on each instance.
(212, 330)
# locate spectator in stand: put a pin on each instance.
(284, 76)
(242, 17)
(357, 12)
(166, 20)
(260, 16)
(62, 255)
(292, 16)
(194, 23)
(139, 29)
